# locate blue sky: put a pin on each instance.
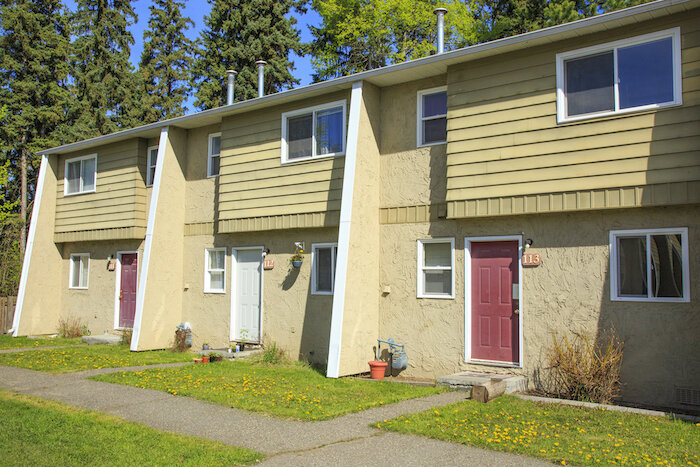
(197, 10)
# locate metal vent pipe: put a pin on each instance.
(261, 77)
(231, 78)
(440, 12)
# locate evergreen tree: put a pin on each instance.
(359, 35)
(237, 34)
(34, 67)
(165, 62)
(105, 83)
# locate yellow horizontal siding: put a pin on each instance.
(255, 184)
(505, 146)
(118, 203)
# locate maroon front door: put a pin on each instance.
(495, 318)
(127, 292)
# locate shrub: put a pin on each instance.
(126, 337)
(71, 327)
(273, 355)
(583, 369)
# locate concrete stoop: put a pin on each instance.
(109, 339)
(226, 354)
(465, 380)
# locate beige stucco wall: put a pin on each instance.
(42, 297)
(569, 292)
(162, 303)
(95, 306)
(293, 318)
(410, 175)
(202, 193)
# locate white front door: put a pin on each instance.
(246, 296)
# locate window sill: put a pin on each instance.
(322, 293)
(442, 297)
(312, 158)
(79, 193)
(616, 113)
(650, 300)
(220, 292)
(77, 288)
(427, 145)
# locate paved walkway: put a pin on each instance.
(346, 440)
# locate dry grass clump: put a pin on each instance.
(71, 327)
(126, 337)
(583, 369)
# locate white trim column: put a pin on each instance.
(339, 288)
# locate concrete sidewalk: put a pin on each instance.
(346, 440)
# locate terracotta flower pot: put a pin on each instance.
(377, 369)
(205, 359)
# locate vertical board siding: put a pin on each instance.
(119, 201)
(505, 146)
(254, 183)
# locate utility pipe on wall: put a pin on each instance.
(261, 77)
(231, 77)
(440, 12)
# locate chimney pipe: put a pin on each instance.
(261, 77)
(440, 12)
(231, 77)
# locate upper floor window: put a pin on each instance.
(151, 165)
(79, 267)
(323, 268)
(213, 154)
(633, 74)
(215, 270)
(435, 264)
(649, 265)
(432, 116)
(80, 175)
(313, 132)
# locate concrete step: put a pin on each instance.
(109, 339)
(465, 380)
(226, 354)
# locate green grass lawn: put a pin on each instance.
(563, 434)
(70, 359)
(285, 390)
(9, 342)
(38, 432)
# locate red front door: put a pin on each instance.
(127, 293)
(495, 318)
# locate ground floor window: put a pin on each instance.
(79, 268)
(323, 267)
(215, 270)
(435, 268)
(649, 265)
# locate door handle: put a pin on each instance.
(516, 312)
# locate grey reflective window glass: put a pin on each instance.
(217, 259)
(75, 271)
(152, 159)
(73, 177)
(632, 266)
(215, 145)
(324, 276)
(666, 265)
(434, 104)
(214, 162)
(88, 170)
(299, 136)
(84, 263)
(329, 131)
(437, 282)
(589, 84)
(435, 130)
(437, 254)
(216, 280)
(645, 73)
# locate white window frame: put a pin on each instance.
(313, 110)
(65, 175)
(420, 268)
(70, 278)
(210, 155)
(614, 269)
(420, 119)
(151, 164)
(207, 271)
(673, 33)
(314, 267)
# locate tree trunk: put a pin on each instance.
(23, 197)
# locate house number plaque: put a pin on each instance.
(269, 264)
(532, 259)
